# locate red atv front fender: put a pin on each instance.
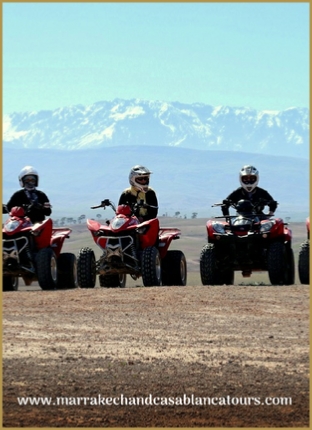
(152, 230)
(42, 232)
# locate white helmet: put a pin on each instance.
(28, 178)
(139, 178)
(249, 178)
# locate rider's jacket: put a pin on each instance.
(256, 195)
(130, 196)
(38, 201)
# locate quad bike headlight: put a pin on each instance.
(218, 227)
(11, 225)
(266, 226)
(117, 223)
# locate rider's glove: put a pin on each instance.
(35, 205)
(225, 207)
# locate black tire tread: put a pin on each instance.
(67, 270)
(86, 268)
(304, 263)
(149, 276)
(277, 263)
(171, 268)
(43, 265)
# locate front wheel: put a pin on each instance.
(304, 263)
(208, 265)
(113, 281)
(10, 283)
(277, 263)
(46, 269)
(86, 268)
(151, 267)
(174, 268)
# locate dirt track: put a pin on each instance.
(235, 343)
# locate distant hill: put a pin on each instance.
(157, 123)
(186, 180)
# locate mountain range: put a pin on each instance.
(136, 122)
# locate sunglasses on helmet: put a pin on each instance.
(249, 179)
(142, 179)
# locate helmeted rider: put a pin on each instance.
(139, 189)
(249, 190)
(35, 201)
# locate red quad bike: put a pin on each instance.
(304, 258)
(249, 243)
(130, 247)
(33, 252)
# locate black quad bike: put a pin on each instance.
(247, 242)
(130, 247)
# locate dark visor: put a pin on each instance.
(249, 179)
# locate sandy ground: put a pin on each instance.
(239, 347)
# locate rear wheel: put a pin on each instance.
(290, 272)
(277, 263)
(174, 268)
(9, 283)
(151, 267)
(67, 271)
(86, 268)
(46, 269)
(113, 281)
(304, 263)
(208, 266)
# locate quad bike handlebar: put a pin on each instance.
(107, 202)
(104, 204)
(245, 206)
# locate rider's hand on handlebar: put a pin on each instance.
(105, 202)
(35, 205)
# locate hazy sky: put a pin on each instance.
(238, 54)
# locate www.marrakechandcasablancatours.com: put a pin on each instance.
(150, 400)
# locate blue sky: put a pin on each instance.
(238, 54)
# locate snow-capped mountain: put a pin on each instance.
(157, 123)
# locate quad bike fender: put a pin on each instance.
(280, 231)
(150, 233)
(287, 235)
(93, 225)
(59, 234)
(211, 232)
(166, 236)
(42, 231)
